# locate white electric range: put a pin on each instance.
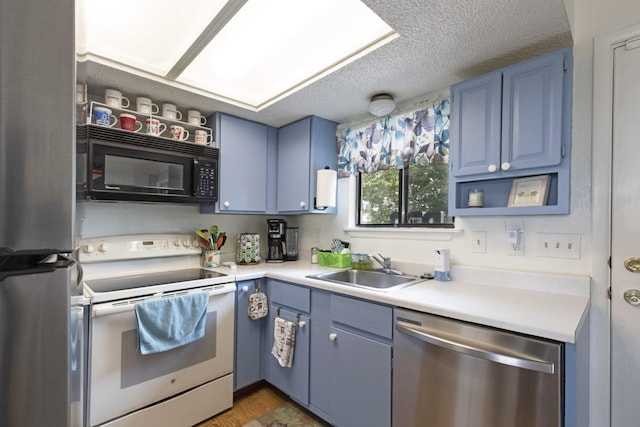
(178, 387)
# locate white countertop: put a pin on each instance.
(552, 306)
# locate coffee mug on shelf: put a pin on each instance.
(113, 98)
(155, 127)
(178, 133)
(202, 137)
(104, 117)
(129, 122)
(146, 106)
(195, 118)
(170, 111)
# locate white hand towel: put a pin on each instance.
(284, 340)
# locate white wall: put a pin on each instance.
(97, 219)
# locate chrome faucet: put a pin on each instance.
(385, 262)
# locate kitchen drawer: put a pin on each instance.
(288, 295)
(365, 316)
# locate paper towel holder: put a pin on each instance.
(324, 206)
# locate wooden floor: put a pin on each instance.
(247, 406)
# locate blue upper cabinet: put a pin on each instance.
(476, 118)
(532, 113)
(508, 124)
(245, 148)
(304, 147)
(509, 120)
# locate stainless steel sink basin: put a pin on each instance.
(368, 279)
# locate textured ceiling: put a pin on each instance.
(440, 43)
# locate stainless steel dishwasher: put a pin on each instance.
(448, 373)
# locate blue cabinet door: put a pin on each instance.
(475, 125)
(248, 339)
(532, 98)
(293, 381)
(294, 153)
(304, 147)
(243, 165)
(360, 389)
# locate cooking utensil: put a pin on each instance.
(222, 237)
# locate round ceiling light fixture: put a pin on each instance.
(381, 104)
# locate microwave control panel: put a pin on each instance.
(206, 179)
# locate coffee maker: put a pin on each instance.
(276, 236)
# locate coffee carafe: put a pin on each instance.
(276, 240)
(291, 240)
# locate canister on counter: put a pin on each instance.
(360, 261)
(314, 255)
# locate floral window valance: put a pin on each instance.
(419, 136)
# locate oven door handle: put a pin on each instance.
(125, 306)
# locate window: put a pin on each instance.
(414, 196)
(402, 165)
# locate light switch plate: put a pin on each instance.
(479, 242)
(558, 245)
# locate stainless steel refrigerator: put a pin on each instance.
(39, 378)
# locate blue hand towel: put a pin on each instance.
(167, 323)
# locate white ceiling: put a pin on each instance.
(440, 43)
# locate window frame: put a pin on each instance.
(403, 206)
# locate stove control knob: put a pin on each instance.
(195, 243)
(89, 248)
(176, 243)
(186, 243)
(102, 247)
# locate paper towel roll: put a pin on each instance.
(326, 181)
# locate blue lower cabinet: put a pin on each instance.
(360, 390)
(293, 381)
(248, 342)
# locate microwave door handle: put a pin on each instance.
(196, 175)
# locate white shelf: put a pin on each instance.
(141, 117)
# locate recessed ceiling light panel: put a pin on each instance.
(147, 34)
(272, 48)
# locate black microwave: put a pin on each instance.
(113, 164)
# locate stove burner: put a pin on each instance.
(150, 279)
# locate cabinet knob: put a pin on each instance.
(226, 204)
(245, 288)
(505, 166)
(301, 323)
(333, 337)
(303, 204)
(492, 168)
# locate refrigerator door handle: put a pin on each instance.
(475, 349)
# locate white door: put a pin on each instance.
(625, 233)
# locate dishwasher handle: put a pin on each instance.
(472, 348)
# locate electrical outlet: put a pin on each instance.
(479, 242)
(515, 242)
(558, 245)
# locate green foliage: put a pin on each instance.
(428, 191)
(379, 196)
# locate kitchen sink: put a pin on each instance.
(373, 280)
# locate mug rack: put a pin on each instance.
(142, 117)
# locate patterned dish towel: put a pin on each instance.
(258, 305)
(284, 340)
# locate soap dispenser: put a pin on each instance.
(442, 270)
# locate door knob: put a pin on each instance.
(492, 168)
(632, 264)
(632, 296)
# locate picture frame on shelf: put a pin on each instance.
(529, 191)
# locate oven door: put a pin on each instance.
(123, 380)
